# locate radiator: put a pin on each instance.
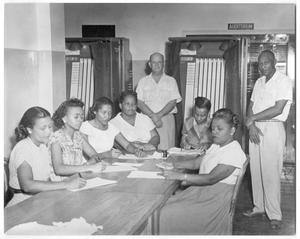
(205, 77)
(82, 82)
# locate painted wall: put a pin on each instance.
(34, 65)
(148, 26)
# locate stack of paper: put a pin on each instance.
(165, 165)
(145, 174)
(155, 155)
(94, 182)
(128, 164)
(77, 226)
(179, 151)
(118, 168)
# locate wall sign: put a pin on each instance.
(240, 26)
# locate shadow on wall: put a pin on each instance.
(147, 69)
(13, 142)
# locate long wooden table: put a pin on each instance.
(121, 208)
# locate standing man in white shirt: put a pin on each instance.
(158, 95)
(269, 107)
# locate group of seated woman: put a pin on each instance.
(45, 160)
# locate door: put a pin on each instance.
(236, 79)
(189, 68)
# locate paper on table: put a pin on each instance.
(118, 168)
(145, 174)
(155, 155)
(165, 165)
(94, 182)
(180, 151)
(128, 164)
(77, 226)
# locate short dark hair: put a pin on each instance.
(202, 102)
(62, 111)
(124, 94)
(98, 105)
(227, 115)
(269, 52)
(28, 120)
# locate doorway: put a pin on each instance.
(209, 66)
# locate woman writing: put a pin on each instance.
(196, 131)
(137, 128)
(30, 162)
(101, 134)
(67, 143)
(203, 208)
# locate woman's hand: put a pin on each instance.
(193, 141)
(95, 158)
(169, 174)
(137, 144)
(148, 147)
(75, 182)
(187, 146)
(140, 153)
(115, 153)
(98, 167)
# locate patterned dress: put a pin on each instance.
(71, 149)
(195, 135)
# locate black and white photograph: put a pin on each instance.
(149, 118)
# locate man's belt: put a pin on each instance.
(271, 120)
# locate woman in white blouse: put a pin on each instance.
(136, 127)
(203, 208)
(30, 160)
(101, 134)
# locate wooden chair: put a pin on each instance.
(236, 191)
(8, 194)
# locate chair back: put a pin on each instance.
(236, 190)
(8, 194)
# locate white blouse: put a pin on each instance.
(140, 131)
(230, 154)
(38, 157)
(101, 140)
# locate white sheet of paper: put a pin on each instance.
(128, 164)
(77, 226)
(145, 174)
(94, 182)
(118, 168)
(155, 155)
(179, 151)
